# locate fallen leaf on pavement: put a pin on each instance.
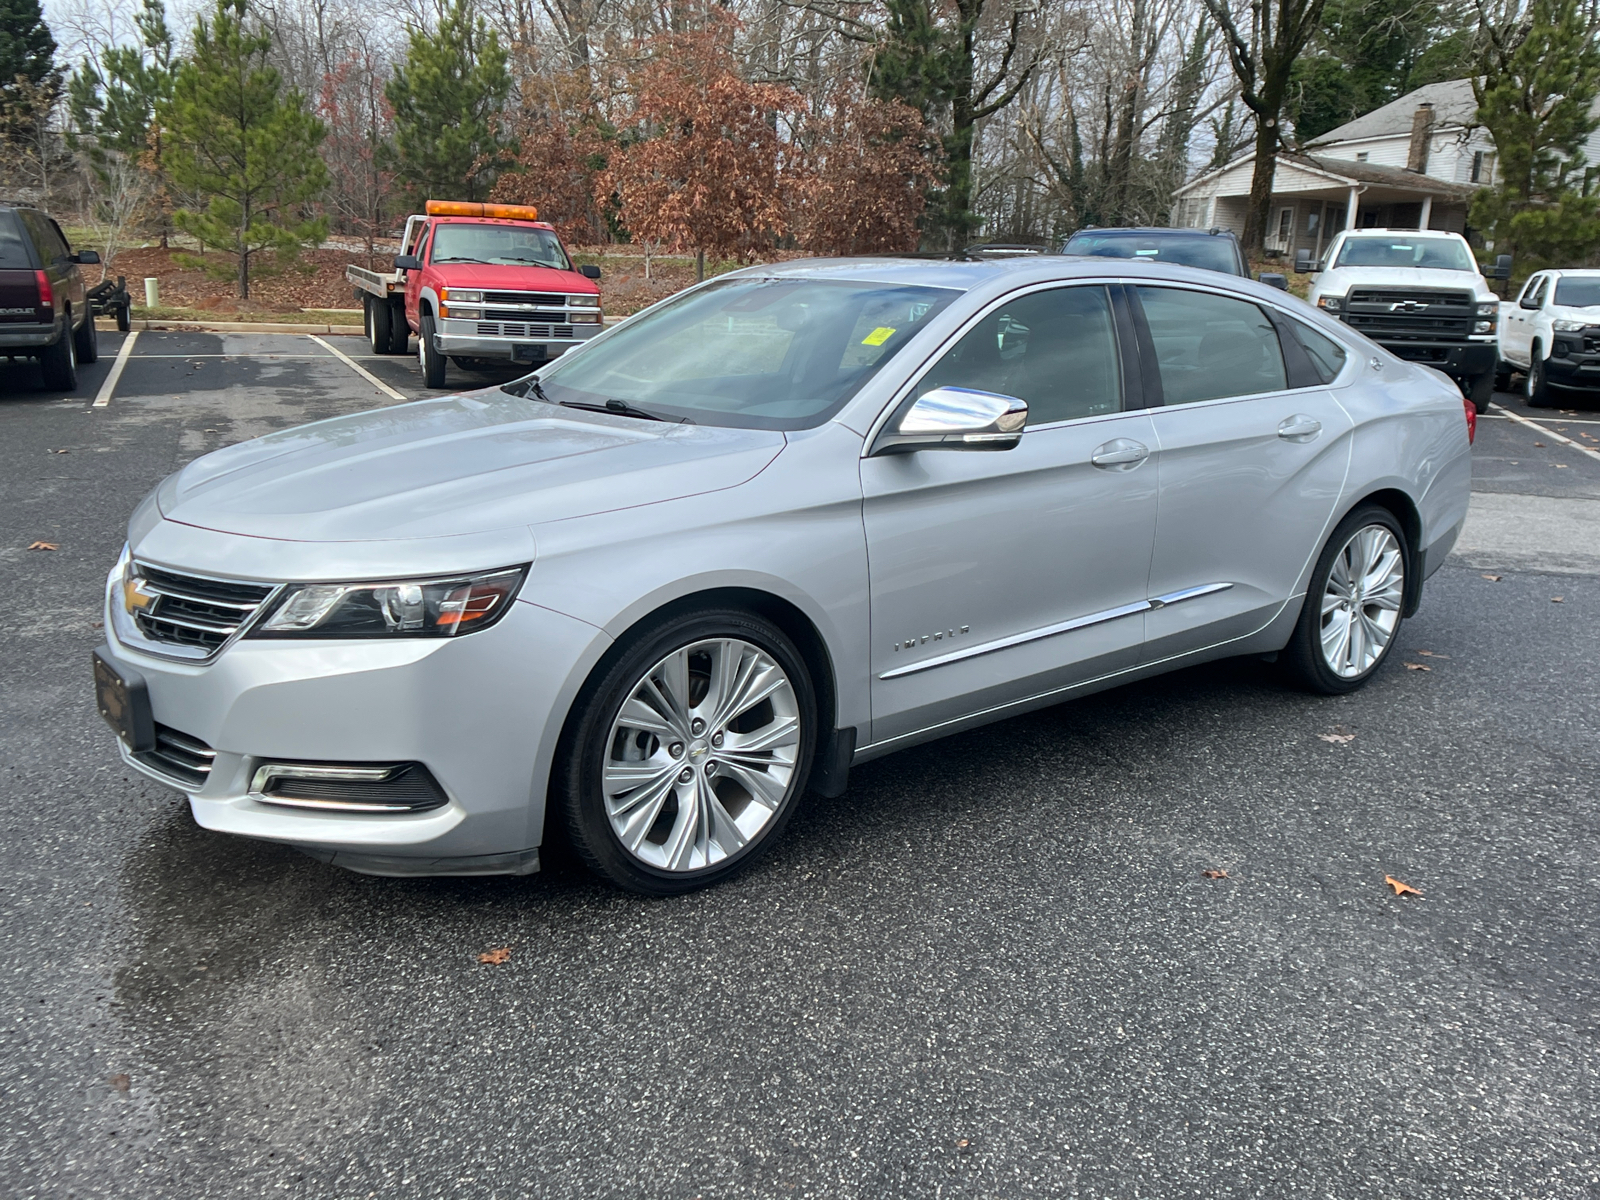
(1540, 445)
(1561, 466)
(962, 1143)
(121, 1082)
(61, 452)
(1557, 599)
(1339, 736)
(495, 957)
(43, 546)
(1432, 654)
(1400, 889)
(1215, 874)
(1418, 667)
(1491, 578)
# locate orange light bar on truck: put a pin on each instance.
(464, 208)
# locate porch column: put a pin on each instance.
(1350, 208)
(1427, 212)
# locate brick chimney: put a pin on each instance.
(1421, 139)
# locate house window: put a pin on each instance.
(1361, 156)
(1285, 225)
(1313, 219)
(1482, 166)
(1477, 166)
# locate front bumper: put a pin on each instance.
(514, 341)
(1459, 360)
(1571, 366)
(482, 712)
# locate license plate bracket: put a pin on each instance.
(123, 698)
(526, 352)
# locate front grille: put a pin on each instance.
(189, 610)
(1410, 314)
(525, 298)
(1591, 342)
(184, 758)
(517, 314)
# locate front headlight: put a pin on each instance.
(592, 318)
(1329, 303)
(584, 301)
(1489, 309)
(1483, 327)
(459, 313)
(1567, 325)
(440, 607)
(452, 295)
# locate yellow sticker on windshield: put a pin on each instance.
(878, 336)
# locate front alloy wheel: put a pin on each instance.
(689, 754)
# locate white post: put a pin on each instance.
(1350, 210)
(1427, 212)
(152, 292)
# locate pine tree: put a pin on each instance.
(113, 105)
(1540, 76)
(30, 84)
(242, 145)
(446, 98)
(27, 48)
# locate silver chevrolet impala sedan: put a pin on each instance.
(793, 519)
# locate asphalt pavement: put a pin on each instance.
(995, 967)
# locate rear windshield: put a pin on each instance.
(502, 245)
(1440, 254)
(1578, 293)
(14, 254)
(1202, 250)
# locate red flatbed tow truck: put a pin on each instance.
(477, 282)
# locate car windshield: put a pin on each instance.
(1578, 293)
(1439, 254)
(502, 245)
(1202, 250)
(754, 353)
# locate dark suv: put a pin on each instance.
(1208, 249)
(44, 311)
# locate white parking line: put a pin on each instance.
(103, 398)
(1566, 441)
(358, 368)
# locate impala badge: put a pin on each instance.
(937, 635)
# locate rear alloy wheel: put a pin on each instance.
(59, 361)
(428, 354)
(1353, 607)
(87, 341)
(1538, 385)
(688, 757)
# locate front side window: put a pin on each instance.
(1056, 349)
(1443, 254)
(499, 245)
(754, 353)
(1211, 346)
(1578, 293)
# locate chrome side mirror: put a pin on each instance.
(954, 418)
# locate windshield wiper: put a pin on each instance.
(620, 407)
(526, 386)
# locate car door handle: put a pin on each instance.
(1119, 454)
(1299, 428)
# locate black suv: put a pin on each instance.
(44, 309)
(1208, 249)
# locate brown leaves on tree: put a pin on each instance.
(1400, 889)
(1219, 874)
(560, 154)
(43, 546)
(495, 957)
(866, 170)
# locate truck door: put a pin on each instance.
(1517, 341)
(416, 243)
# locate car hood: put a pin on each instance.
(1569, 312)
(456, 465)
(514, 279)
(1339, 281)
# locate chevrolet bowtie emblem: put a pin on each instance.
(1410, 306)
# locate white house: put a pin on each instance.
(1412, 164)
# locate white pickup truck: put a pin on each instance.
(1419, 294)
(1551, 333)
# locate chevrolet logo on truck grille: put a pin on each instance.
(1408, 306)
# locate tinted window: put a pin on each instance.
(508, 245)
(757, 353)
(1203, 250)
(50, 246)
(1578, 293)
(1211, 346)
(1057, 350)
(1390, 251)
(13, 250)
(1327, 356)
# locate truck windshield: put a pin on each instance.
(752, 353)
(1440, 254)
(1578, 293)
(501, 245)
(1199, 250)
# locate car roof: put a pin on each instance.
(1415, 233)
(1154, 231)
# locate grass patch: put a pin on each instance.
(316, 317)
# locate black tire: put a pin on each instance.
(399, 331)
(432, 361)
(124, 318)
(88, 340)
(1538, 382)
(1502, 377)
(59, 362)
(378, 331)
(1480, 390)
(576, 795)
(1303, 658)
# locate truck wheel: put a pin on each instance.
(87, 340)
(60, 363)
(1480, 390)
(399, 331)
(1502, 377)
(428, 354)
(1538, 385)
(378, 326)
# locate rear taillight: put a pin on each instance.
(47, 298)
(1472, 420)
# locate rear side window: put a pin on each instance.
(14, 254)
(45, 239)
(1326, 355)
(1210, 346)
